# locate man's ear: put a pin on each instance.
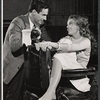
(34, 11)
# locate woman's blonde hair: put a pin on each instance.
(83, 24)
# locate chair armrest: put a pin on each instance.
(78, 72)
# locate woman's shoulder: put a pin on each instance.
(86, 39)
(67, 37)
(64, 39)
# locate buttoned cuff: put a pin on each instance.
(59, 47)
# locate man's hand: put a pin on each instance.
(37, 45)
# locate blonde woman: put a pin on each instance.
(73, 51)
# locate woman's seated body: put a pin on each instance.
(73, 52)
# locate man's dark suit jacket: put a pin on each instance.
(12, 43)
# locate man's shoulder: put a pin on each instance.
(20, 18)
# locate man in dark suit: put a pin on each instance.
(13, 49)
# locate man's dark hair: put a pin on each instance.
(38, 5)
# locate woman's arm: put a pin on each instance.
(65, 47)
(75, 47)
(53, 44)
(46, 44)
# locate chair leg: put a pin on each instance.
(29, 96)
(60, 95)
(64, 96)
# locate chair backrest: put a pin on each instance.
(45, 68)
(37, 71)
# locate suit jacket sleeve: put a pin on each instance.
(15, 35)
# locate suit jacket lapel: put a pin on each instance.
(26, 21)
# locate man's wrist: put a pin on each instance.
(20, 51)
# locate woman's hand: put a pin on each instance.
(44, 45)
(47, 44)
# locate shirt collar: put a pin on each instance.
(31, 24)
(31, 27)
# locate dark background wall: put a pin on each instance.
(13, 8)
(60, 10)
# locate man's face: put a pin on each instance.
(40, 17)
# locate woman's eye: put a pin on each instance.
(70, 23)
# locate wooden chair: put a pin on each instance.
(62, 91)
(69, 93)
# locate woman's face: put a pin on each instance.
(72, 27)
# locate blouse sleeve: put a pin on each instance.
(75, 47)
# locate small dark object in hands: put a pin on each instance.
(34, 34)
